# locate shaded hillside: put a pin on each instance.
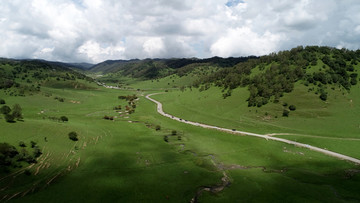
(27, 76)
(155, 68)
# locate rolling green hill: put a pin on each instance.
(126, 152)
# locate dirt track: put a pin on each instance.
(324, 151)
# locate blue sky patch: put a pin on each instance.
(231, 3)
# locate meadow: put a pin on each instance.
(127, 160)
(320, 123)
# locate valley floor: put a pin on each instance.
(128, 159)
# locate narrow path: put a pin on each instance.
(324, 151)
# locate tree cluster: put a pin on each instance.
(11, 157)
(12, 114)
(278, 73)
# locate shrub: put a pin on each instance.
(64, 119)
(17, 112)
(22, 144)
(9, 118)
(117, 107)
(73, 136)
(292, 107)
(37, 152)
(2, 101)
(323, 96)
(166, 139)
(285, 113)
(5, 109)
(157, 127)
(173, 132)
(33, 144)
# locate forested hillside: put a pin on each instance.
(19, 77)
(157, 68)
(270, 76)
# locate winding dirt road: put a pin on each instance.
(324, 151)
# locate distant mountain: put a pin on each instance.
(83, 66)
(153, 68)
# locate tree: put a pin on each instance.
(33, 144)
(157, 127)
(323, 96)
(9, 118)
(2, 101)
(292, 107)
(22, 144)
(64, 119)
(73, 136)
(173, 132)
(8, 150)
(17, 112)
(285, 113)
(5, 109)
(37, 152)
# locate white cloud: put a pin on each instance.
(153, 47)
(95, 30)
(95, 52)
(243, 41)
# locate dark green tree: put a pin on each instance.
(22, 144)
(33, 144)
(17, 112)
(285, 113)
(292, 107)
(9, 118)
(323, 96)
(64, 119)
(5, 109)
(73, 136)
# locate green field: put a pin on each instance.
(323, 124)
(127, 160)
(134, 154)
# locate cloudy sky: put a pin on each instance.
(97, 30)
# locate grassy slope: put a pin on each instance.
(336, 118)
(129, 162)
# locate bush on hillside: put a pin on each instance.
(73, 136)
(2, 101)
(22, 144)
(64, 119)
(292, 107)
(323, 96)
(9, 118)
(5, 109)
(17, 112)
(33, 144)
(285, 113)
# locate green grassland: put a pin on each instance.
(336, 118)
(127, 160)
(130, 162)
